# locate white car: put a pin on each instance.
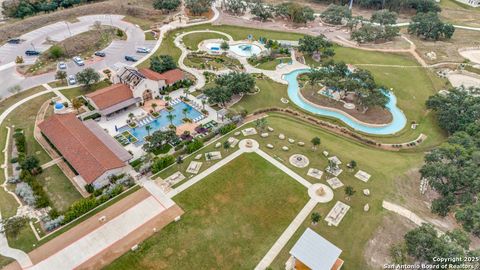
(78, 60)
(62, 65)
(143, 50)
(72, 80)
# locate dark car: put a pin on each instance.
(32, 52)
(130, 58)
(14, 41)
(101, 54)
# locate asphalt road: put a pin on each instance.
(59, 31)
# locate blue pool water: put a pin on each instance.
(399, 119)
(162, 121)
(245, 49)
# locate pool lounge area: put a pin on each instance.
(398, 123)
(161, 122)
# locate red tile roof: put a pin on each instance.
(170, 77)
(111, 95)
(89, 156)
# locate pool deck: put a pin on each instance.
(120, 120)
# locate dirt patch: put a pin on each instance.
(408, 195)
(141, 9)
(372, 116)
(390, 232)
(447, 50)
(84, 45)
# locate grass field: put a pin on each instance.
(272, 64)
(191, 41)
(60, 190)
(231, 220)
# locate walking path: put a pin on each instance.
(403, 212)
(286, 235)
(51, 163)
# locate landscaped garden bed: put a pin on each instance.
(204, 61)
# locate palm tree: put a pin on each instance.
(185, 93)
(226, 145)
(352, 164)
(315, 218)
(203, 104)
(154, 107)
(170, 118)
(131, 116)
(185, 113)
(349, 191)
(148, 128)
(315, 142)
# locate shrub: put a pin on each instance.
(227, 128)
(26, 193)
(194, 145)
(52, 224)
(161, 163)
(89, 188)
(20, 142)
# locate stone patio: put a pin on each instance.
(315, 173)
(335, 183)
(337, 213)
(363, 176)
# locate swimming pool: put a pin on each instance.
(399, 120)
(245, 49)
(162, 121)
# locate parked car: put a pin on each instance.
(32, 52)
(130, 58)
(14, 41)
(101, 54)
(143, 50)
(62, 65)
(71, 80)
(78, 60)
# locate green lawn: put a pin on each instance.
(60, 190)
(231, 220)
(269, 96)
(191, 41)
(71, 93)
(16, 98)
(271, 65)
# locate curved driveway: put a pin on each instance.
(59, 31)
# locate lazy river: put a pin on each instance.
(399, 120)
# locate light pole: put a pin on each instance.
(33, 46)
(68, 28)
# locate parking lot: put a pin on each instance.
(36, 40)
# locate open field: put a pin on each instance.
(231, 219)
(459, 13)
(447, 50)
